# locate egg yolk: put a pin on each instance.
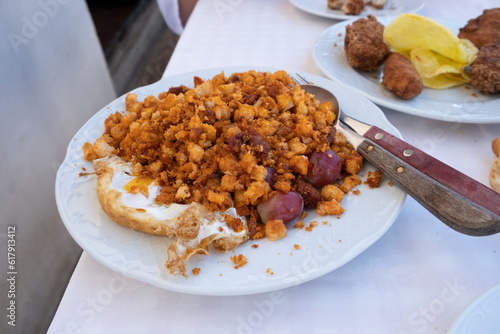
(139, 185)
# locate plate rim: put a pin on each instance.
(336, 16)
(455, 327)
(203, 290)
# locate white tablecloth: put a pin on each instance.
(417, 278)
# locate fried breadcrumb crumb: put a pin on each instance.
(239, 260)
(275, 229)
(373, 179)
(312, 225)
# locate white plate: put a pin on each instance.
(141, 256)
(481, 316)
(392, 7)
(460, 104)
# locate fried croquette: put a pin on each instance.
(485, 69)
(355, 7)
(483, 30)
(378, 4)
(350, 7)
(364, 44)
(401, 77)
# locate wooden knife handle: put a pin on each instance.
(459, 201)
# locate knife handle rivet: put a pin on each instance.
(400, 169)
(408, 152)
(370, 148)
(379, 135)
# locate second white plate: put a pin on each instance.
(481, 316)
(460, 104)
(392, 7)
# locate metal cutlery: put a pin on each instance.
(460, 202)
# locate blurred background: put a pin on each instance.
(61, 61)
(136, 42)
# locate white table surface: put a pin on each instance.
(417, 278)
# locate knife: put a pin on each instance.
(460, 202)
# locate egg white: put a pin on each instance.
(145, 214)
(122, 175)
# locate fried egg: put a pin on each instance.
(130, 201)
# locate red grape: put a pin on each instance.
(284, 206)
(324, 168)
(331, 134)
